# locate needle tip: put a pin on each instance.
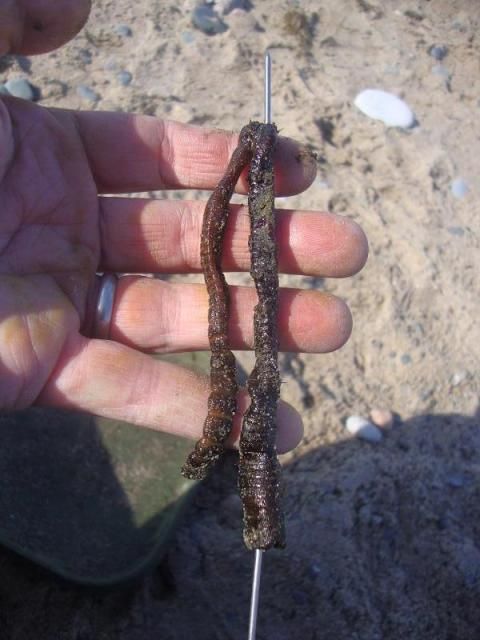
(268, 88)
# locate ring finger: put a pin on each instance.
(162, 317)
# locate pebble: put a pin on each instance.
(314, 570)
(458, 187)
(85, 56)
(124, 78)
(205, 19)
(187, 37)
(227, 6)
(384, 106)
(87, 93)
(458, 377)
(438, 51)
(123, 30)
(362, 428)
(456, 231)
(3, 90)
(406, 359)
(21, 88)
(383, 418)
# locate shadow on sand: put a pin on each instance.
(383, 540)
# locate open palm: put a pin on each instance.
(56, 232)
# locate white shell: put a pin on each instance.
(362, 428)
(386, 107)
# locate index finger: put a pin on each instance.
(130, 152)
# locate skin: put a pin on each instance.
(57, 229)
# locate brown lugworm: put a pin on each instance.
(259, 469)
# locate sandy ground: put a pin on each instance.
(384, 539)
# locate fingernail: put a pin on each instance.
(290, 427)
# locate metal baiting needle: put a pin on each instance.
(257, 570)
(267, 109)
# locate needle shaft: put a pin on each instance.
(257, 571)
(268, 89)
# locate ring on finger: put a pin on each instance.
(107, 287)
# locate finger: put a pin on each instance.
(163, 317)
(161, 154)
(114, 381)
(37, 26)
(152, 236)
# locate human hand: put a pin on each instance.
(57, 231)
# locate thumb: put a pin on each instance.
(37, 26)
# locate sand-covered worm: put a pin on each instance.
(259, 469)
(223, 385)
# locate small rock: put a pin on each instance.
(321, 183)
(384, 106)
(406, 359)
(3, 90)
(87, 93)
(456, 231)
(438, 51)
(458, 377)
(458, 187)
(383, 418)
(85, 56)
(362, 428)
(205, 19)
(124, 78)
(123, 30)
(187, 37)
(314, 570)
(21, 88)
(227, 6)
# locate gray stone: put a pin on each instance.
(123, 30)
(124, 78)
(87, 93)
(3, 90)
(459, 376)
(85, 56)
(438, 51)
(205, 19)
(227, 6)
(458, 187)
(21, 88)
(187, 37)
(456, 231)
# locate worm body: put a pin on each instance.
(223, 385)
(259, 469)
